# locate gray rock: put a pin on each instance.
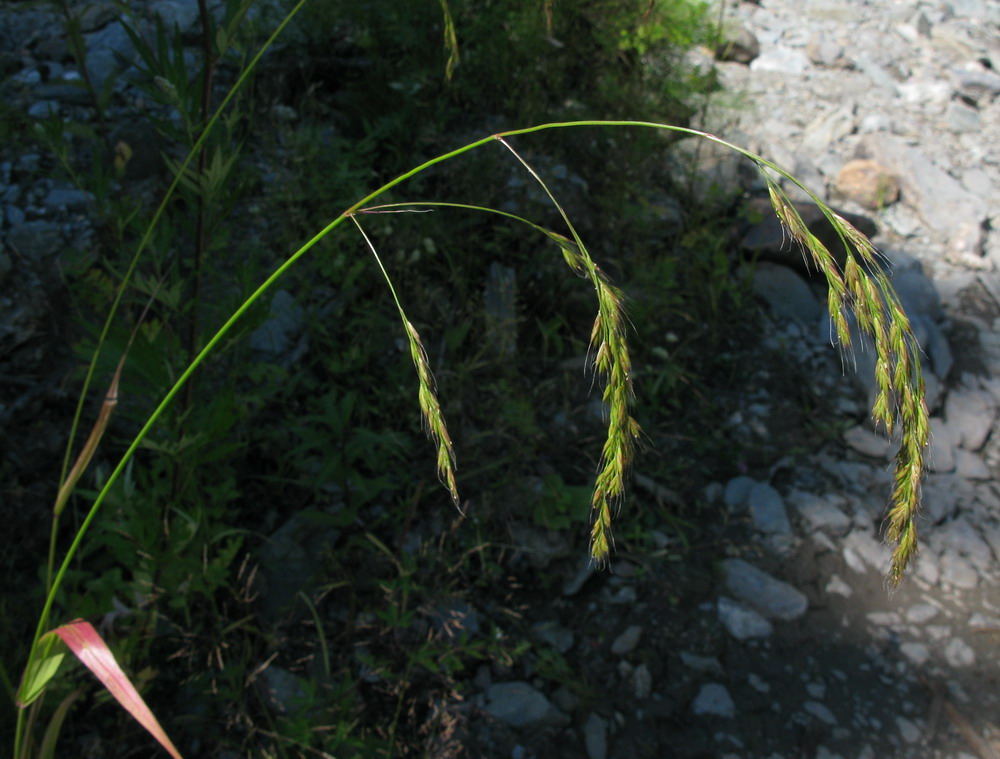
(941, 496)
(742, 623)
(767, 510)
(824, 51)
(14, 216)
(909, 731)
(966, 246)
(103, 50)
(70, 199)
(941, 451)
(176, 14)
(555, 635)
(701, 663)
(737, 44)
(771, 597)
(883, 618)
(958, 653)
(837, 585)
(820, 711)
(782, 60)
(919, 614)
(991, 534)
(917, 292)
(819, 513)
(864, 441)
(877, 74)
(713, 700)
(786, 293)
(975, 83)
(281, 690)
(961, 119)
(627, 641)
(917, 653)
(940, 199)
(95, 15)
(566, 699)
(925, 568)
(960, 537)
(519, 704)
(958, 571)
(624, 596)
(737, 491)
(937, 347)
(969, 413)
(642, 681)
(44, 109)
(828, 128)
(862, 550)
(980, 622)
(36, 240)
(595, 737)
(585, 570)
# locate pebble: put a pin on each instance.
(908, 731)
(714, 700)
(820, 711)
(519, 704)
(595, 737)
(627, 641)
(767, 510)
(863, 440)
(700, 663)
(969, 412)
(642, 682)
(916, 653)
(820, 513)
(957, 571)
(742, 623)
(958, 653)
(771, 597)
(837, 586)
(918, 614)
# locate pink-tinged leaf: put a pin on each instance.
(88, 646)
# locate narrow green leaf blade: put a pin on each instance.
(38, 673)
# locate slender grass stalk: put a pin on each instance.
(430, 408)
(861, 287)
(611, 360)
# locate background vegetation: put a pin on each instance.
(283, 520)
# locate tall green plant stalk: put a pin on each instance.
(859, 287)
(864, 286)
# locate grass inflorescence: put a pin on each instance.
(611, 361)
(861, 287)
